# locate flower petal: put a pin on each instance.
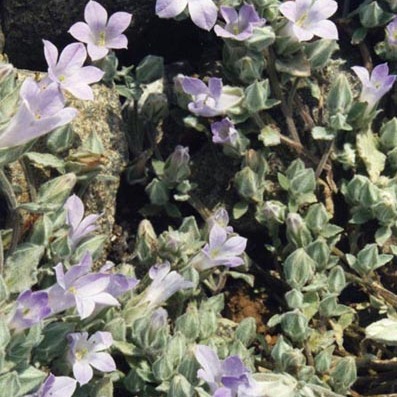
(288, 9)
(74, 211)
(81, 32)
(96, 16)
(118, 22)
(118, 42)
(194, 86)
(362, 73)
(72, 57)
(170, 8)
(229, 14)
(203, 13)
(101, 340)
(50, 53)
(82, 372)
(96, 52)
(325, 29)
(322, 9)
(103, 362)
(215, 87)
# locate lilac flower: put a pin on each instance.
(239, 26)
(68, 70)
(376, 85)
(100, 34)
(79, 227)
(39, 112)
(56, 386)
(78, 287)
(222, 250)
(208, 101)
(224, 132)
(31, 308)
(164, 284)
(391, 33)
(223, 377)
(308, 18)
(202, 12)
(86, 353)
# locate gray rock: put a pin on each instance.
(102, 116)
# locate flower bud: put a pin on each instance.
(176, 168)
(297, 231)
(146, 243)
(274, 211)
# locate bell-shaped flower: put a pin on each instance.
(309, 18)
(81, 288)
(80, 227)
(202, 12)
(164, 284)
(32, 307)
(85, 353)
(391, 33)
(56, 386)
(224, 377)
(224, 132)
(376, 85)
(68, 71)
(222, 250)
(239, 25)
(39, 112)
(211, 100)
(99, 33)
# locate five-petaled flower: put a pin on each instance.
(85, 353)
(80, 227)
(78, 287)
(308, 18)
(239, 26)
(211, 100)
(40, 111)
(374, 86)
(31, 308)
(99, 33)
(226, 378)
(68, 71)
(56, 386)
(202, 12)
(222, 250)
(165, 283)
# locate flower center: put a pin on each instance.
(72, 290)
(61, 78)
(80, 354)
(102, 39)
(302, 19)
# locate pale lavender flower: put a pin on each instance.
(80, 227)
(309, 18)
(224, 377)
(208, 101)
(118, 283)
(164, 284)
(32, 307)
(224, 132)
(222, 250)
(39, 112)
(85, 353)
(99, 33)
(78, 287)
(56, 386)
(68, 71)
(391, 33)
(202, 12)
(376, 85)
(239, 26)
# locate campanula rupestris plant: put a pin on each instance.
(391, 33)
(239, 25)
(67, 69)
(85, 353)
(100, 33)
(224, 132)
(309, 18)
(202, 12)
